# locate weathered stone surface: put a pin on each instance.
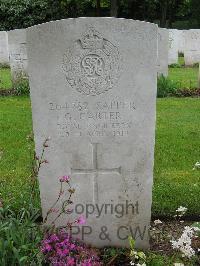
(173, 46)
(93, 91)
(4, 58)
(17, 54)
(192, 46)
(163, 44)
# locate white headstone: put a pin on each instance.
(173, 47)
(192, 47)
(18, 54)
(163, 44)
(181, 41)
(4, 58)
(93, 91)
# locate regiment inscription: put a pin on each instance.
(100, 119)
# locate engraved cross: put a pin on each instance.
(95, 171)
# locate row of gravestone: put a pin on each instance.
(170, 43)
(93, 91)
(13, 53)
(187, 42)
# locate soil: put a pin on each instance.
(161, 234)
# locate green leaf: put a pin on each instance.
(131, 242)
(141, 255)
(24, 258)
(197, 225)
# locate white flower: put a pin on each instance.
(197, 165)
(184, 242)
(157, 222)
(132, 263)
(181, 209)
(143, 264)
(178, 264)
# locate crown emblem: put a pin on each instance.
(92, 39)
(92, 64)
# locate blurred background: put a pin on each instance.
(179, 14)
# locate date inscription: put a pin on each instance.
(100, 119)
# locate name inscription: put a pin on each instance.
(81, 118)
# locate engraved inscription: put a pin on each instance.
(102, 118)
(92, 64)
(18, 61)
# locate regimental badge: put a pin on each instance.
(92, 64)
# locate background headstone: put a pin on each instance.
(163, 44)
(173, 47)
(4, 58)
(192, 47)
(181, 41)
(18, 54)
(93, 91)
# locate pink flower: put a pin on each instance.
(60, 249)
(72, 246)
(59, 252)
(62, 253)
(46, 241)
(62, 244)
(65, 178)
(46, 248)
(65, 252)
(70, 261)
(86, 263)
(54, 237)
(81, 220)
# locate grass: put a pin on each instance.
(15, 160)
(177, 150)
(181, 60)
(185, 77)
(5, 78)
